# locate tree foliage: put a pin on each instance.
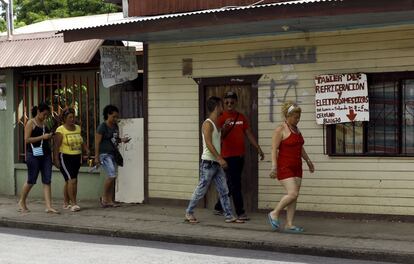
(32, 11)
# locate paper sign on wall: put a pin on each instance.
(118, 65)
(341, 98)
(3, 103)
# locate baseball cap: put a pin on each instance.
(230, 94)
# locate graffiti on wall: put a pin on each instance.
(285, 86)
(293, 55)
(287, 83)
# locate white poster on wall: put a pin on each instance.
(118, 65)
(341, 98)
(129, 186)
(3, 105)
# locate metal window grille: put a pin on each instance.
(390, 131)
(59, 90)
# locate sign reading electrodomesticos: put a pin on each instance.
(341, 98)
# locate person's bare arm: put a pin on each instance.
(28, 131)
(276, 139)
(208, 132)
(57, 143)
(308, 161)
(253, 141)
(98, 139)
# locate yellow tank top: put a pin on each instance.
(71, 140)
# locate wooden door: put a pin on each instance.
(247, 105)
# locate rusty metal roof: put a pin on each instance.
(128, 20)
(48, 48)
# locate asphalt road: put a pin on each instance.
(19, 246)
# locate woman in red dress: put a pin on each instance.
(287, 154)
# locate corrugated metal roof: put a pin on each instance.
(57, 24)
(219, 10)
(61, 23)
(45, 49)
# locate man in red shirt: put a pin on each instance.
(235, 127)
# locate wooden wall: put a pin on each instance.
(359, 185)
(156, 7)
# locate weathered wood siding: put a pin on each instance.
(156, 7)
(360, 185)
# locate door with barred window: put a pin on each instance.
(246, 89)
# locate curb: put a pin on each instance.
(347, 253)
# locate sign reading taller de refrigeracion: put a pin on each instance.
(341, 98)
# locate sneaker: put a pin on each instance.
(218, 212)
(234, 220)
(75, 208)
(244, 217)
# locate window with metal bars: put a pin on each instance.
(59, 90)
(390, 130)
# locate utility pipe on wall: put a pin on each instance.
(9, 17)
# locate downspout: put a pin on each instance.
(9, 17)
(125, 7)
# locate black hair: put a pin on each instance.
(213, 102)
(66, 112)
(41, 107)
(108, 110)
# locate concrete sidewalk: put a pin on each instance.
(370, 240)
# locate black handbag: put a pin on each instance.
(117, 155)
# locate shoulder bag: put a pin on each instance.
(38, 151)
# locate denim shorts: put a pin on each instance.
(42, 164)
(109, 164)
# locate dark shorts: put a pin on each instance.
(69, 165)
(41, 164)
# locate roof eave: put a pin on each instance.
(278, 12)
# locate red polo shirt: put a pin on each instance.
(233, 143)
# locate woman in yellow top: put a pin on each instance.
(68, 159)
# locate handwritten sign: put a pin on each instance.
(118, 65)
(341, 98)
(3, 103)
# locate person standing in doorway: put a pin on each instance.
(69, 142)
(38, 156)
(287, 155)
(106, 140)
(235, 128)
(212, 165)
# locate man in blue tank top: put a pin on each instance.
(212, 165)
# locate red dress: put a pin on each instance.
(289, 160)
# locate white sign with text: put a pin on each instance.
(118, 65)
(341, 98)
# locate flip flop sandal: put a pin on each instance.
(294, 230)
(51, 211)
(274, 223)
(21, 210)
(191, 219)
